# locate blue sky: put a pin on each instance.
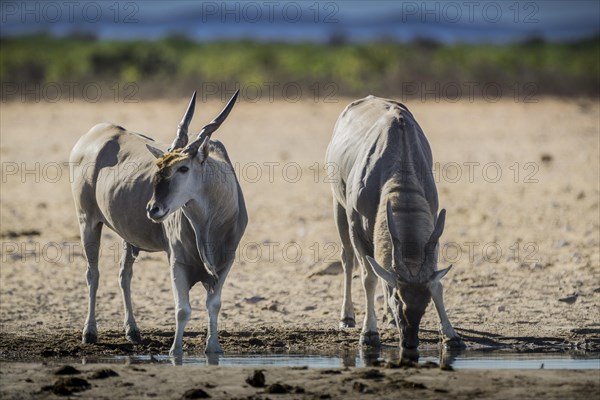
(445, 21)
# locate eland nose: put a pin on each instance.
(153, 210)
(156, 212)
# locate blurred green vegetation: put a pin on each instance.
(175, 65)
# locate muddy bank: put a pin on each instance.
(45, 345)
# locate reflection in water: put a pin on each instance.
(448, 357)
(370, 356)
(367, 357)
(409, 355)
(406, 357)
(213, 359)
(348, 358)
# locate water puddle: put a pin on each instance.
(470, 359)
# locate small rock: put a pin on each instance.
(413, 385)
(103, 373)
(581, 195)
(195, 394)
(67, 370)
(546, 158)
(501, 308)
(359, 387)
(278, 388)
(570, 299)
(257, 379)
(254, 299)
(331, 372)
(372, 374)
(66, 386)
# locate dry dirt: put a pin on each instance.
(519, 182)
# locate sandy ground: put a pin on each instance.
(158, 381)
(519, 182)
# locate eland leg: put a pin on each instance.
(90, 237)
(132, 333)
(213, 306)
(450, 338)
(183, 310)
(369, 335)
(347, 319)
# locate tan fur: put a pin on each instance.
(171, 158)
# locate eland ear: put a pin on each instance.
(198, 146)
(158, 153)
(435, 237)
(438, 229)
(438, 275)
(388, 276)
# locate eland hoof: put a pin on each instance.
(133, 336)
(454, 343)
(89, 337)
(176, 353)
(370, 339)
(347, 322)
(213, 346)
(213, 349)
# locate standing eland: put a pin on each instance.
(187, 203)
(385, 205)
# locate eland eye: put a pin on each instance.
(183, 169)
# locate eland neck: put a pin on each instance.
(414, 222)
(218, 194)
